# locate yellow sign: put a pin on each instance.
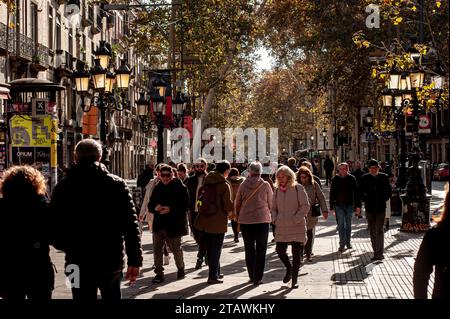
(53, 148)
(31, 131)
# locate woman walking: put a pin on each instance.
(317, 202)
(253, 203)
(290, 206)
(26, 267)
(235, 181)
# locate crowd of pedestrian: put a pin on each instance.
(91, 217)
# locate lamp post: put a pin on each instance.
(368, 122)
(324, 135)
(312, 147)
(103, 81)
(155, 111)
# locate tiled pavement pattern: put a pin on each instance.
(331, 275)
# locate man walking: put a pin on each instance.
(213, 215)
(93, 216)
(193, 184)
(344, 198)
(375, 190)
(328, 165)
(169, 205)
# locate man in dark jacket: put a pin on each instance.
(328, 165)
(169, 205)
(94, 215)
(375, 190)
(193, 184)
(344, 199)
(145, 177)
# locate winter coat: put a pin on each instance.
(217, 223)
(256, 210)
(328, 165)
(192, 184)
(289, 210)
(433, 253)
(174, 195)
(315, 195)
(94, 216)
(144, 208)
(375, 191)
(344, 191)
(25, 234)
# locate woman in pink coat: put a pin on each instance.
(290, 207)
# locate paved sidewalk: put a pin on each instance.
(331, 275)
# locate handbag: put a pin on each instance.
(315, 209)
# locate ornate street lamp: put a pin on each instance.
(324, 135)
(103, 82)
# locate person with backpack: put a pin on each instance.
(169, 205)
(290, 205)
(235, 181)
(253, 203)
(214, 208)
(318, 203)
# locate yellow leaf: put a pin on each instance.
(438, 4)
(414, 8)
(374, 73)
(399, 19)
(366, 43)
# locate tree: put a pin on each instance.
(222, 33)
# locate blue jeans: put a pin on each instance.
(213, 244)
(344, 218)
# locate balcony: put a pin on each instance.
(40, 58)
(97, 26)
(63, 63)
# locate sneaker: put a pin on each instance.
(181, 274)
(214, 281)
(349, 246)
(341, 249)
(159, 278)
(220, 276)
(166, 260)
(199, 263)
(377, 258)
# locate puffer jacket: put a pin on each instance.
(289, 210)
(217, 223)
(94, 216)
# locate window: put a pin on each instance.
(83, 49)
(58, 31)
(34, 24)
(50, 27)
(70, 41)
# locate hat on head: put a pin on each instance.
(373, 162)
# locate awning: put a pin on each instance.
(4, 93)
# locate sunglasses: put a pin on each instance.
(166, 175)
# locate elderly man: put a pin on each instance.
(375, 190)
(94, 216)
